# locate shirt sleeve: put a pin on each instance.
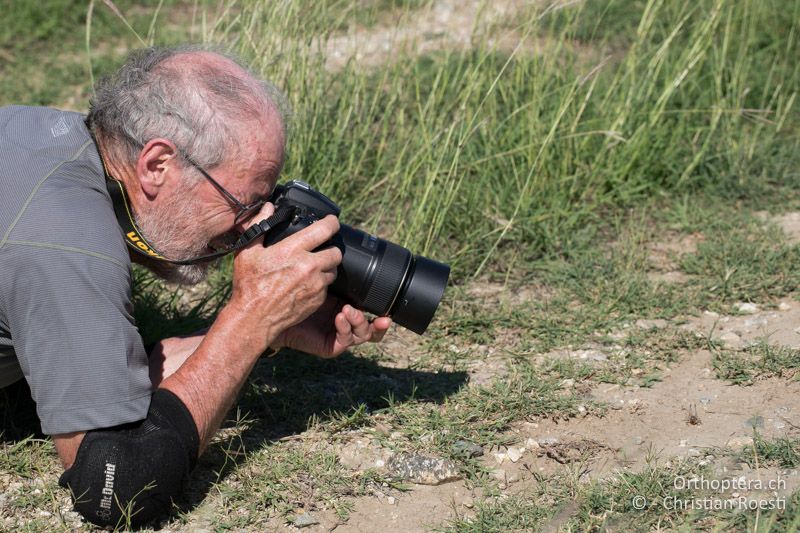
(71, 321)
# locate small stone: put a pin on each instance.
(500, 457)
(581, 409)
(590, 355)
(468, 503)
(755, 422)
(746, 308)
(711, 314)
(704, 400)
(531, 443)
(390, 500)
(651, 324)
(566, 383)
(730, 338)
(513, 477)
(693, 452)
(465, 448)
(45, 514)
(783, 306)
(683, 443)
(423, 470)
(514, 454)
(305, 520)
(638, 441)
(548, 441)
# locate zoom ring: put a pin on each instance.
(388, 279)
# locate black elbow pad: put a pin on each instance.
(129, 474)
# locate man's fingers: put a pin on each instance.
(358, 322)
(352, 322)
(317, 233)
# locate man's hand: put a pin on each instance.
(332, 329)
(283, 284)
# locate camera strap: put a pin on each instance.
(136, 241)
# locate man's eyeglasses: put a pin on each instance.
(245, 211)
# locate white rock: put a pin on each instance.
(390, 500)
(531, 443)
(746, 307)
(514, 454)
(500, 457)
(783, 306)
(683, 443)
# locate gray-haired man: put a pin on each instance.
(196, 143)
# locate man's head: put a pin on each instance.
(167, 114)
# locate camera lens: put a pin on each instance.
(384, 278)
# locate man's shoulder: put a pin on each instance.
(56, 196)
(35, 127)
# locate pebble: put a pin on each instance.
(591, 355)
(693, 452)
(390, 500)
(651, 324)
(783, 306)
(683, 443)
(712, 314)
(305, 520)
(468, 503)
(730, 338)
(531, 443)
(638, 441)
(514, 454)
(467, 449)
(548, 441)
(422, 469)
(704, 400)
(746, 308)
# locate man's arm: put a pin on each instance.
(273, 289)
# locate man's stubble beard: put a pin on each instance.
(171, 231)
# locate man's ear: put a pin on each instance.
(157, 158)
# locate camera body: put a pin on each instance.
(375, 275)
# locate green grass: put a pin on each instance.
(551, 171)
(758, 361)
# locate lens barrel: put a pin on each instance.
(383, 278)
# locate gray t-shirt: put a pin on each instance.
(65, 276)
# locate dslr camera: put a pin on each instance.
(375, 275)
